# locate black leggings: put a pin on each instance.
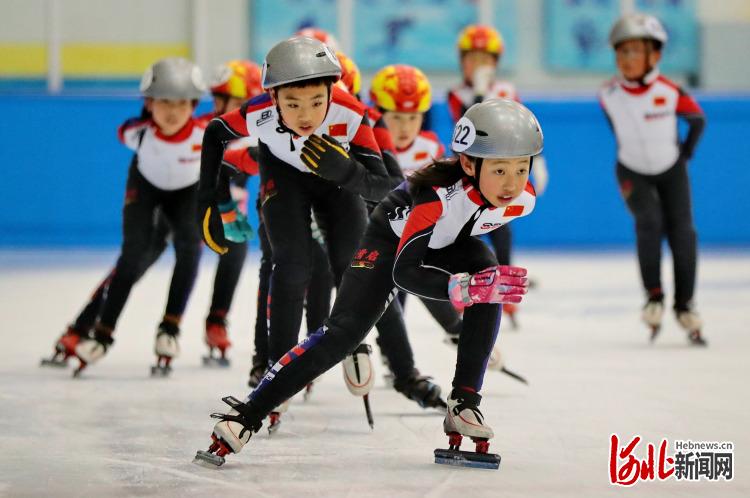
(317, 298)
(93, 309)
(225, 283)
(141, 202)
(661, 206)
(289, 197)
(228, 273)
(442, 311)
(363, 296)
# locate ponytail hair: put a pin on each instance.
(441, 173)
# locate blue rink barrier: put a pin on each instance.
(63, 173)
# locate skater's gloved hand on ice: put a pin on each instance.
(482, 79)
(496, 284)
(326, 157)
(236, 227)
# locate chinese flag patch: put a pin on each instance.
(659, 101)
(513, 211)
(337, 130)
(196, 147)
(420, 156)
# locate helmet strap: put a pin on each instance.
(282, 128)
(478, 161)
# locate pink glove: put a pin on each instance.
(496, 284)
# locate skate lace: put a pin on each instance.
(240, 418)
(246, 425)
(466, 404)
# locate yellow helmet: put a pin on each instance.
(238, 78)
(401, 88)
(482, 38)
(351, 78)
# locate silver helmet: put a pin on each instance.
(498, 128)
(297, 59)
(637, 26)
(173, 78)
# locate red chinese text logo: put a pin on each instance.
(625, 469)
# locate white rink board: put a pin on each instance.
(116, 432)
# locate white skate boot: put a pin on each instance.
(166, 348)
(359, 376)
(230, 434)
(464, 419)
(93, 348)
(692, 323)
(463, 416)
(652, 314)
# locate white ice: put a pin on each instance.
(117, 432)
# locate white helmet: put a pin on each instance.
(173, 78)
(637, 26)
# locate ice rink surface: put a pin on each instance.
(117, 432)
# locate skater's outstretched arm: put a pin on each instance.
(220, 131)
(409, 273)
(690, 111)
(214, 212)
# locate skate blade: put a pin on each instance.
(47, 362)
(273, 428)
(654, 333)
(442, 405)
(458, 458)
(514, 375)
(160, 371)
(208, 460)
(212, 362)
(273, 423)
(696, 339)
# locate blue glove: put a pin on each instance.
(236, 227)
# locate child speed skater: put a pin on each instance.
(642, 107)
(480, 50)
(421, 238)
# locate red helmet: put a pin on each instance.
(239, 79)
(482, 38)
(319, 34)
(401, 88)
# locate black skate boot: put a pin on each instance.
(421, 389)
(230, 434)
(65, 347)
(166, 347)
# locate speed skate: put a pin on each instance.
(463, 419)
